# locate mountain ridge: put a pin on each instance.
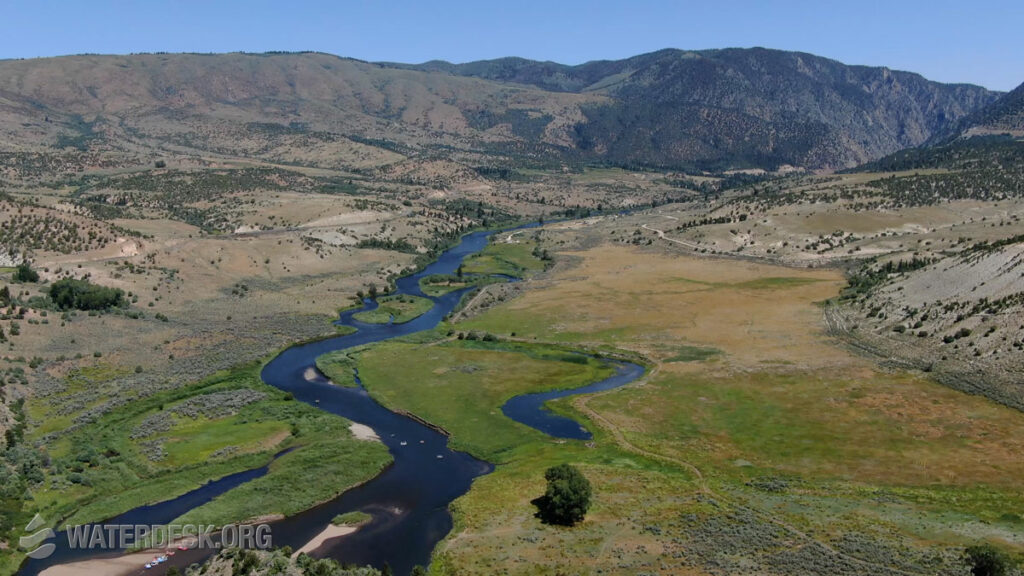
(1004, 116)
(712, 109)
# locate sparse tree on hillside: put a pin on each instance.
(25, 273)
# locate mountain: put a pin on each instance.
(1004, 116)
(734, 107)
(992, 137)
(717, 109)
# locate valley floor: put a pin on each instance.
(757, 444)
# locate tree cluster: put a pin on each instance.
(72, 293)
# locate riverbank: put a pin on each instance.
(126, 565)
(328, 533)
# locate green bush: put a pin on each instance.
(987, 560)
(25, 273)
(83, 295)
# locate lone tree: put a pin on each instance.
(987, 560)
(25, 273)
(567, 498)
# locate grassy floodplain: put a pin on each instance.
(397, 308)
(461, 386)
(514, 257)
(339, 366)
(509, 254)
(752, 434)
(441, 284)
(159, 447)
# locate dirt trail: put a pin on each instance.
(469, 305)
(661, 234)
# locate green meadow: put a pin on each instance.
(397, 308)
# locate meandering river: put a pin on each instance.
(409, 500)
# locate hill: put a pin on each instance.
(716, 109)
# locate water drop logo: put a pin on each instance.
(35, 541)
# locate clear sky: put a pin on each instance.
(977, 41)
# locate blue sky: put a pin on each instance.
(979, 41)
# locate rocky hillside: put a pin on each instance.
(1005, 116)
(712, 109)
(735, 107)
(953, 303)
(958, 314)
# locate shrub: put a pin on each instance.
(986, 560)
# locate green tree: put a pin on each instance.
(5, 296)
(84, 295)
(419, 571)
(567, 497)
(987, 560)
(25, 273)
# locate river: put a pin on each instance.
(409, 501)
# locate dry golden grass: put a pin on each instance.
(780, 400)
(652, 303)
